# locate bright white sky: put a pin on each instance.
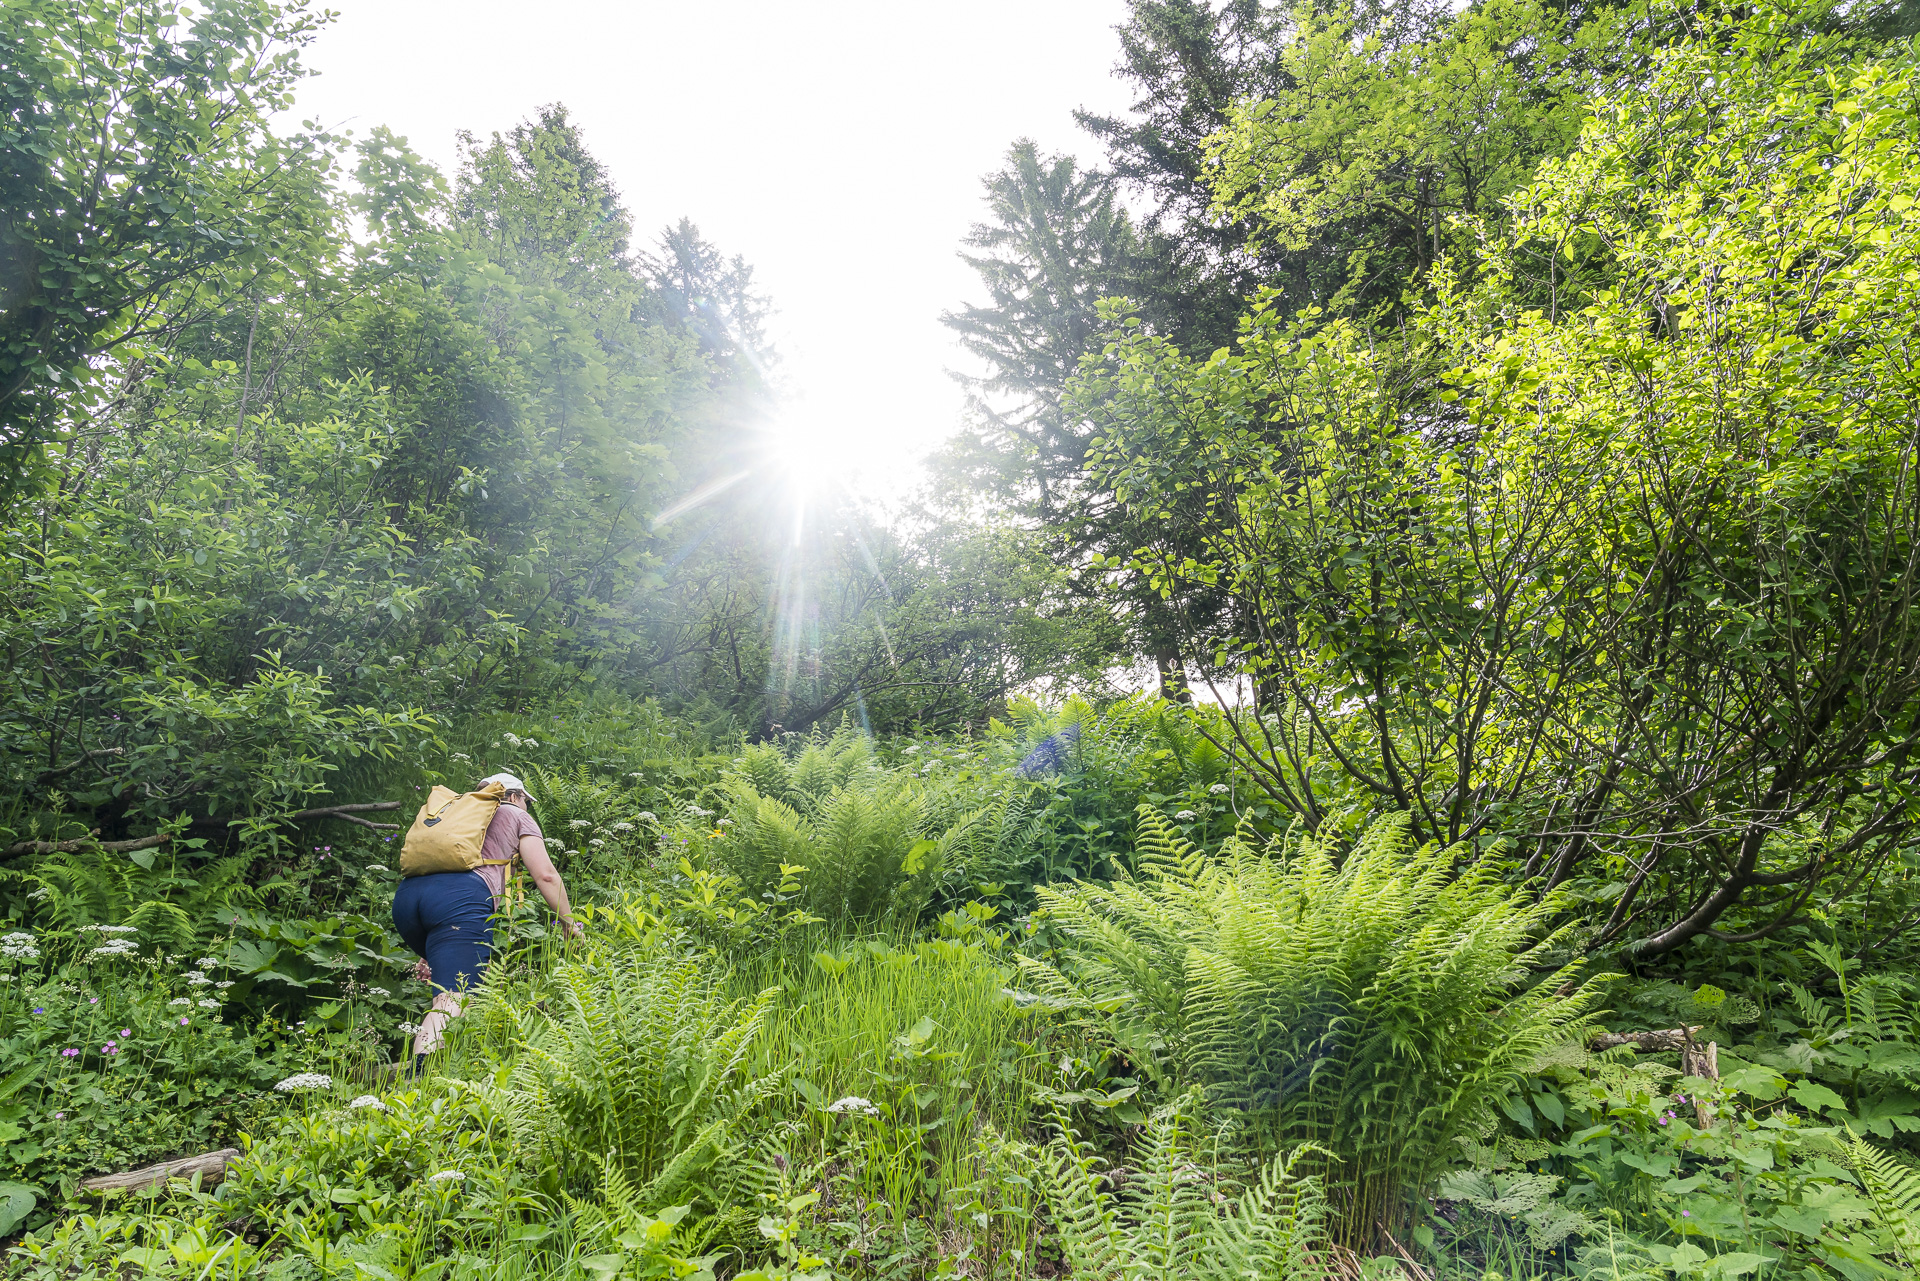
(837, 144)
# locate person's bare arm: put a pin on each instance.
(546, 879)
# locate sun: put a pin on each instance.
(806, 457)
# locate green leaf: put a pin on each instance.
(1816, 1097)
(16, 1203)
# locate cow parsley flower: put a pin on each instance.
(855, 1104)
(368, 1101)
(181, 1000)
(646, 816)
(304, 1081)
(445, 1176)
(378, 991)
(196, 978)
(1186, 816)
(107, 929)
(623, 827)
(409, 1028)
(208, 1004)
(207, 963)
(115, 947)
(1218, 789)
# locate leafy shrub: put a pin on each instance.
(1379, 1006)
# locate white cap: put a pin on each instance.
(507, 781)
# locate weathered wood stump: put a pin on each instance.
(1697, 1058)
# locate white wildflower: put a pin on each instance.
(224, 983)
(208, 1004)
(908, 751)
(636, 774)
(181, 1000)
(39, 893)
(577, 823)
(725, 822)
(6, 978)
(511, 739)
(368, 1101)
(196, 978)
(646, 816)
(461, 756)
(206, 963)
(376, 867)
(444, 1176)
(409, 1028)
(623, 827)
(555, 843)
(1218, 789)
(115, 947)
(378, 991)
(854, 1103)
(19, 947)
(107, 929)
(697, 812)
(1186, 816)
(18, 936)
(596, 842)
(304, 1081)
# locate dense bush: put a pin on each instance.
(1380, 1005)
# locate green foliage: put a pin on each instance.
(1460, 531)
(864, 842)
(1378, 1004)
(1402, 140)
(139, 170)
(638, 1070)
(1168, 1220)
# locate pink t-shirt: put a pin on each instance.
(510, 823)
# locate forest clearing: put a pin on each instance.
(1381, 749)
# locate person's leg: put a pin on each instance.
(458, 946)
(433, 1024)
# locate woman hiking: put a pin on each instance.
(446, 916)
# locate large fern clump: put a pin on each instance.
(1377, 1005)
(1173, 1217)
(873, 841)
(640, 1071)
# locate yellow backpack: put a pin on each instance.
(450, 831)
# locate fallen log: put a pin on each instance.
(210, 1166)
(1675, 1038)
(346, 814)
(88, 841)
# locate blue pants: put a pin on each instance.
(444, 917)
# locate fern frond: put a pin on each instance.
(1895, 1193)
